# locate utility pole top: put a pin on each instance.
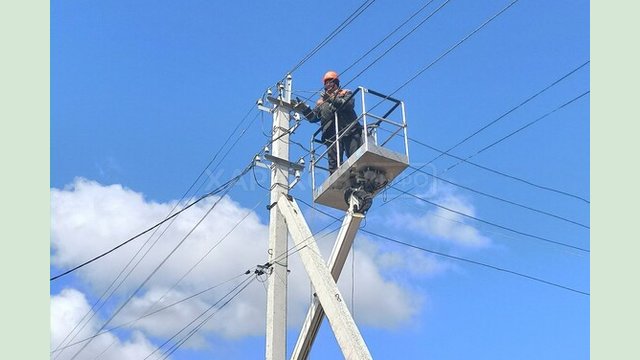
(276, 339)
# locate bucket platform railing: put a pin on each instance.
(380, 158)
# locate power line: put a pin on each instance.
(477, 263)
(151, 313)
(399, 41)
(387, 37)
(530, 98)
(250, 167)
(490, 223)
(520, 129)
(142, 233)
(153, 273)
(452, 48)
(211, 193)
(447, 52)
(298, 247)
(497, 172)
(381, 42)
(104, 297)
(243, 282)
(529, 277)
(495, 121)
(355, 14)
(225, 236)
(500, 198)
(165, 259)
(199, 326)
(233, 228)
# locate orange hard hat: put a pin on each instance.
(330, 75)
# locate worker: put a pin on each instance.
(334, 99)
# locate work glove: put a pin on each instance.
(301, 107)
(337, 101)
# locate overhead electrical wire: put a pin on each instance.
(543, 281)
(415, 13)
(169, 217)
(157, 268)
(276, 260)
(246, 281)
(458, 258)
(519, 129)
(398, 42)
(104, 297)
(285, 255)
(487, 147)
(235, 179)
(355, 14)
(371, 49)
(497, 172)
(155, 227)
(499, 198)
(177, 282)
(207, 253)
(505, 114)
(444, 54)
(490, 222)
(151, 313)
(448, 51)
(97, 257)
(447, 152)
(244, 172)
(203, 322)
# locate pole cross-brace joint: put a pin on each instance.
(346, 332)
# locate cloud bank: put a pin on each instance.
(88, 218)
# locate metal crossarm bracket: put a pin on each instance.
(284, 163)
(344, 328)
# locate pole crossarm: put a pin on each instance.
(344, 327)
(347, 234)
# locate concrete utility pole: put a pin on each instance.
(276, 348)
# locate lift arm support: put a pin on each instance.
(344, 328)
(348, 230)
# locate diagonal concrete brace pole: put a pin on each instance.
(348, 231)
(344, 328)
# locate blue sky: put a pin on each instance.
(142, 96)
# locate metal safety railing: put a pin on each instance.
(394, 137)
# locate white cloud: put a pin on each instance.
(444, 225)
(88, 218)
(67, 309)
